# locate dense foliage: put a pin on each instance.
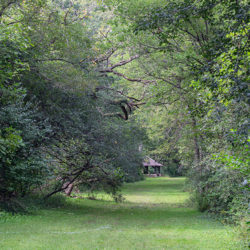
(56, 129)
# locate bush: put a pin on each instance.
(221, 191)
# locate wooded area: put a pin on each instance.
(88, 89)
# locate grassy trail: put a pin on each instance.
(154, 216)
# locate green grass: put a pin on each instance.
(154, 216)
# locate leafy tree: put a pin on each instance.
(54, 103)
(196, 66)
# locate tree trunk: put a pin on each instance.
(69, 189)
(196, 145)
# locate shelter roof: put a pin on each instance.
(152, 163)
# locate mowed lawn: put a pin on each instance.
(154, 216)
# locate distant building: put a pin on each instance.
(153, 164)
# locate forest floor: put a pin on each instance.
(155, 215)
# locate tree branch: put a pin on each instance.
(124, 62)
(146, 82)
(86, 166)
(117, 91)
(6, 6)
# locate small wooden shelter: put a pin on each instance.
(152, 163)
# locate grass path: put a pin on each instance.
(154, 216)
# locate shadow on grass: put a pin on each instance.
(92, 214)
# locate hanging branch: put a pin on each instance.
(126, 108)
